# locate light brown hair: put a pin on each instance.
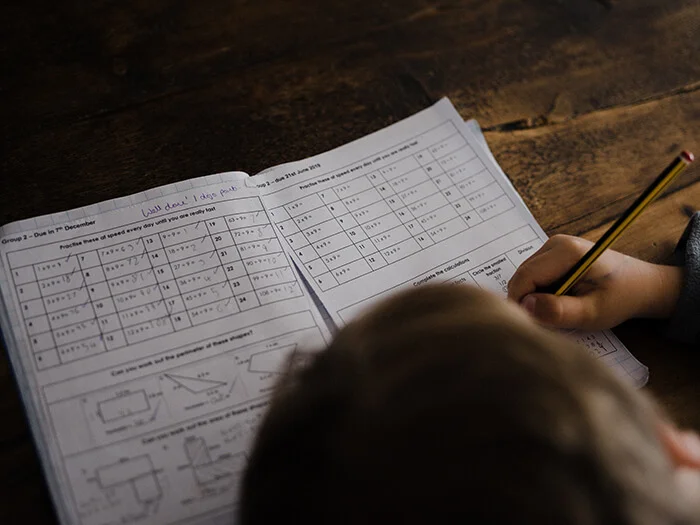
(444, 404)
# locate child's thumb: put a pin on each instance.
(559, 311)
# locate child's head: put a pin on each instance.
(446, 404)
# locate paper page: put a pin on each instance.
(421, 201)
(146, 341)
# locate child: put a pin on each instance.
(445, 404)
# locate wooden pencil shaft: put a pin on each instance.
(564, 284)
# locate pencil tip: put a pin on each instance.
(688, 156)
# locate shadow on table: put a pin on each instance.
(674, 369)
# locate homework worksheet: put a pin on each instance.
(149, 331)
(421, 201)
(146, 333)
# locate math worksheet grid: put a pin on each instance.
(96, 300)
(360, 225)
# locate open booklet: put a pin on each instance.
(146, 332)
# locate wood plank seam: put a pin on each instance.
(541, 121)
(688, 210)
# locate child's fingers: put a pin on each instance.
(546, 266)
(560, 311)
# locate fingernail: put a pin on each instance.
(691, 442)
(529, 303)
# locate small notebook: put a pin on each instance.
(146, 332)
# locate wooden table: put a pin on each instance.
(582, 101)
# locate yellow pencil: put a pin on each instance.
(565, 283)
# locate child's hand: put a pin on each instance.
(616, 288)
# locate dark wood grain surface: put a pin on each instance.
(583, 102)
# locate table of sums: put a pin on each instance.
(107, 298)
(363, 224)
